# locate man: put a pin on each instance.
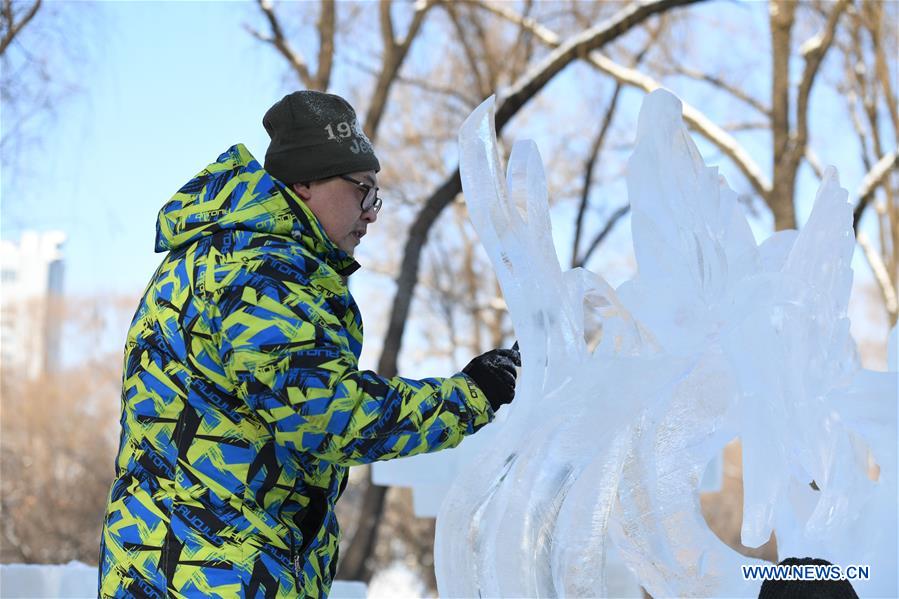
(243, 404)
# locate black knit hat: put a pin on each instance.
(315, 136)
(806, 589)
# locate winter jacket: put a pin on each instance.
(243, 403)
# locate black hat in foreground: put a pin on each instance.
(806, 589)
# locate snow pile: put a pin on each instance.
(76, 579)
(716, 337)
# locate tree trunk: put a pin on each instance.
(780, 199)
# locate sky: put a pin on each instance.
(164, 95)
(162, 90)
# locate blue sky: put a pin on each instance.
(171, 87)
(166, 87)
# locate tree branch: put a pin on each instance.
(449, 92)
(7, 17)
(814, 162)
(610, 224)
(588, 172)
(882, 276)
(597, 146)
(326, 26)
(858, 126)
(579, 46)
(525, 41)
(421, 9)
(813, 50)
(468, 49)
(725, 86)
(13, 28)
(745, 126)
(487, 60)
(881, 69)
(395, 52)
(297, 62)
(871, 182)
(386, 21)
(693, 117)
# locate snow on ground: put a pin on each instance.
(397, 581)
(76, 579)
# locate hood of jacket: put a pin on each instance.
(236, 193)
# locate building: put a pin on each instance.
(30, 310)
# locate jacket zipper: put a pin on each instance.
(295, 558)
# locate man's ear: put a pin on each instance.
(302, 190)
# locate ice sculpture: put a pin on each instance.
(716, 337)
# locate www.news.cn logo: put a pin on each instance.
(806, 572)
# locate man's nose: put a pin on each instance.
(369, 216)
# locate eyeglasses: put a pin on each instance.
(370, 199)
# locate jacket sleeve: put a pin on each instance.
(289, 357)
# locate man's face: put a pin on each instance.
(337, 203)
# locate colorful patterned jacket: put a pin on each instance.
(243, 403)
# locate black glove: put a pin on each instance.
(494, 373)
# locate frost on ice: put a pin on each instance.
(627, 394)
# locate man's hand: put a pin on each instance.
(494, 373)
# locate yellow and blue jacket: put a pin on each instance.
(243, 403)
